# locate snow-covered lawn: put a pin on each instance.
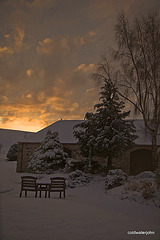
(87, 213)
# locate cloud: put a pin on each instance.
(85, 68)
(13, 41)
(79, 40)
(7, 36)
(41, 3)
(45, 47)
(19, 37)
(91, 33)
(5, 50)
(90, 91)
(64, 43)
(29, 95)
(29, 72)
(48, 50)
(3, 99)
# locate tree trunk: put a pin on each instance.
(154, 152)
(158, 171)
(156, 158)
(109, 163)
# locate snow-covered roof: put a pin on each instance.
(144, 137)
(8, 137)
(63, 127)
(65, 131)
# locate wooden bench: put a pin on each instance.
(57, 185)
(28, 183)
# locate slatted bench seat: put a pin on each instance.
(28, 183)
(57, 184)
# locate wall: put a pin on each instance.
(124, 162)
(26, 149)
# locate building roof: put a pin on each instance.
(65, 131)
(63, 127)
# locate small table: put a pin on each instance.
(43, 187)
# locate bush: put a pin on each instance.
(49, 156)
(78, 178)
(13, 152)
(145, 187)
(145, 174)
(115, 178)
(73, 165)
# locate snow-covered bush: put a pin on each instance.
(115, 178)
(49, 156)
(13, 152)
(140, 188)
(98, 167)
(78, 178)
(146, 174)
(73, 165)
(146, 187)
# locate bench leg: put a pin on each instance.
(46, 193)
(40, 193)
(26, 193)
(20, 194)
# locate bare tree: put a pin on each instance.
(138, 55)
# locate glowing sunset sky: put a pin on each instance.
(48, 48)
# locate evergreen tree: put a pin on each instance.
(106, 132)
(86, 134)
(13, 152)
(49, 155)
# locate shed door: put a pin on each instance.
(140, 161)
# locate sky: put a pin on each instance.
(48, 50)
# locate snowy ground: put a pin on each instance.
(86, 213)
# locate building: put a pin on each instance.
(134, 160)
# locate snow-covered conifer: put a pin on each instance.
(49, 155)
(13, 152)
(106, 132)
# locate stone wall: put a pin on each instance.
(124, 161)
(26, 149)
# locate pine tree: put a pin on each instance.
(13, 152)
(49, 155)
(86, 134)
(106, 132)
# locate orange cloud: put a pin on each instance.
(19, 37)
(45, 47)
(79, 40)
(91, 33)
(4, 99)
(6, 50)
(64, 44)
(29, 72)
(23, 124)
(85, 68)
